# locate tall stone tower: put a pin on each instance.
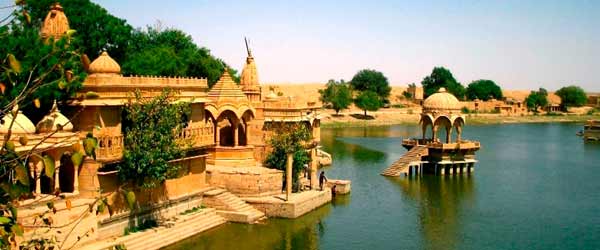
(56, 23)
(249, 78)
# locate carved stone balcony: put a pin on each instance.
(110, 148)
(198, 136)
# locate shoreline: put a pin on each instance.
(472, 119)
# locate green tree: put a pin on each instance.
(484, 90)
(289, 138)
(151, 51)
(537, 99)
(571, 96)
(372, 80)
(97, 29)
(367, 100)
(150, 127)
(171, 52)
(442, 77)
(48, 71)
(337, 94)
(32, 74)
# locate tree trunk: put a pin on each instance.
(365, 113)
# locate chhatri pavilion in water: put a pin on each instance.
(433, 155)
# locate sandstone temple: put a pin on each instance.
(229, 126)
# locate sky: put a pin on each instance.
(520, 44)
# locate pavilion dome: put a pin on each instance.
(53, 121)
(104, 64)
(441, 101)
(21, 125)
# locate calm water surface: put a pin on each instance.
(536, 186)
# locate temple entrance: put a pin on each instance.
(66, 174)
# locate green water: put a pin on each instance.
(537, 186)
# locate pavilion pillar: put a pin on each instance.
(313, 168)
(56, 175)
(235, 134)
(458, 133)
(448, 134)
(434, 130)
(288, 176)
(38, 166)
(218, 135)
(76, 180)
(424, 130)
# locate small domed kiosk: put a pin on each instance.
(432, 153)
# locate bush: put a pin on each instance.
(398, 106)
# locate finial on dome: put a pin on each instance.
(248, 48)
(442, 90)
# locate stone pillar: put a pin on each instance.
(434, 130)
(458, 132)
(218, 135)
(235, 134)
(38, 166)
(424, 130)
(76, 179)
(288, 176)
(56, 176)
(313, 168)
(88, 178)
(448, 134)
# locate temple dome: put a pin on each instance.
(22, 124)
(441, 101)
(104, 64)
(56, 23)
(53, 121)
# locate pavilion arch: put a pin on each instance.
(445, 122)
(426, 121)
(66, 175)
(226, 126)
(458, 123)
(244, 127)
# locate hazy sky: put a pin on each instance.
(519, 44)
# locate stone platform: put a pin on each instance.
(298, 205)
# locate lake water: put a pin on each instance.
(536, 186)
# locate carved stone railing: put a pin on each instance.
(110, 148)
(198, 136)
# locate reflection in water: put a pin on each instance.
(284, 234)
(440, 200)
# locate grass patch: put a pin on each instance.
(192, 210)
(143, 225)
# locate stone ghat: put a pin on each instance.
(298, 205)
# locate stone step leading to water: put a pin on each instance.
(156, 238)
(401, 166)
(231, 207)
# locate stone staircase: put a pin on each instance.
(155, 238)
(401, 166)
(231, 207)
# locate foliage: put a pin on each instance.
(289, 138)
(337, 94)
(537, 99)
(442, 77)
(35, 73)
(407, 95)
(150, 126)
(484, 90)
(571, 96)
(171, 52)
(367, 100)
(371, 80)
(98, 29)
(153, 51)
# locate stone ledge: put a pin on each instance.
(298, 205)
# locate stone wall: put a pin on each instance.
(257, 181)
